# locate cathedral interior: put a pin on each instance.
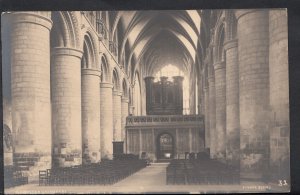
(80, 87)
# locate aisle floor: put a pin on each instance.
(151, 179)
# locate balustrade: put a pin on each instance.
(164, 119)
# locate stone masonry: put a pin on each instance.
(232, 103)
(90, 85)
(220, 98)
(106, 120)
(117, 115)
(124, 115)
(62, 114)
(253, 48)
(30, 74)
(66, 106)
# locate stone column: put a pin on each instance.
(253, 54)
(220, 85)
(279, 95)
(66, 106)
(117, 116)
(30, 79)
(141, 142)
(190, 140)
(176, 143)
(106, 120)
(90, 89)
(124, 113)
(207, 130)
(232, 103)
(212, 115)
(154, 144)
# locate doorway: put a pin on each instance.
(165, 145)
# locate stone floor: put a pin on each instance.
(150, 179)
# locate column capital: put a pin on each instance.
(230, 44)
(117, 93)
(89, 71)
(66, 51)
(106, 85)
(219, 65)
(40, 18)
(125, 99)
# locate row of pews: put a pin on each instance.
(201, 171)
(107, 172)
(14, 177)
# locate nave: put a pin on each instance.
(149, 179)
(81, 86)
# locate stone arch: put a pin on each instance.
(65, 29)
(115, 23)
(92, 45)
(219, 38)
(89, 54)
(115, 80)
(105, 70)
(160, 135)
(124, 88)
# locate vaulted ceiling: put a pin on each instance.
(152, 39)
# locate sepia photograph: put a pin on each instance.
(146, 101)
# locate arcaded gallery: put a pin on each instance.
(197, 97)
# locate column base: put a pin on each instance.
(279, 153)
(31, 163)
(107, 157)
(66, 161)
(64, 156)
(8, 158)
(91, 158)
(254, 168)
